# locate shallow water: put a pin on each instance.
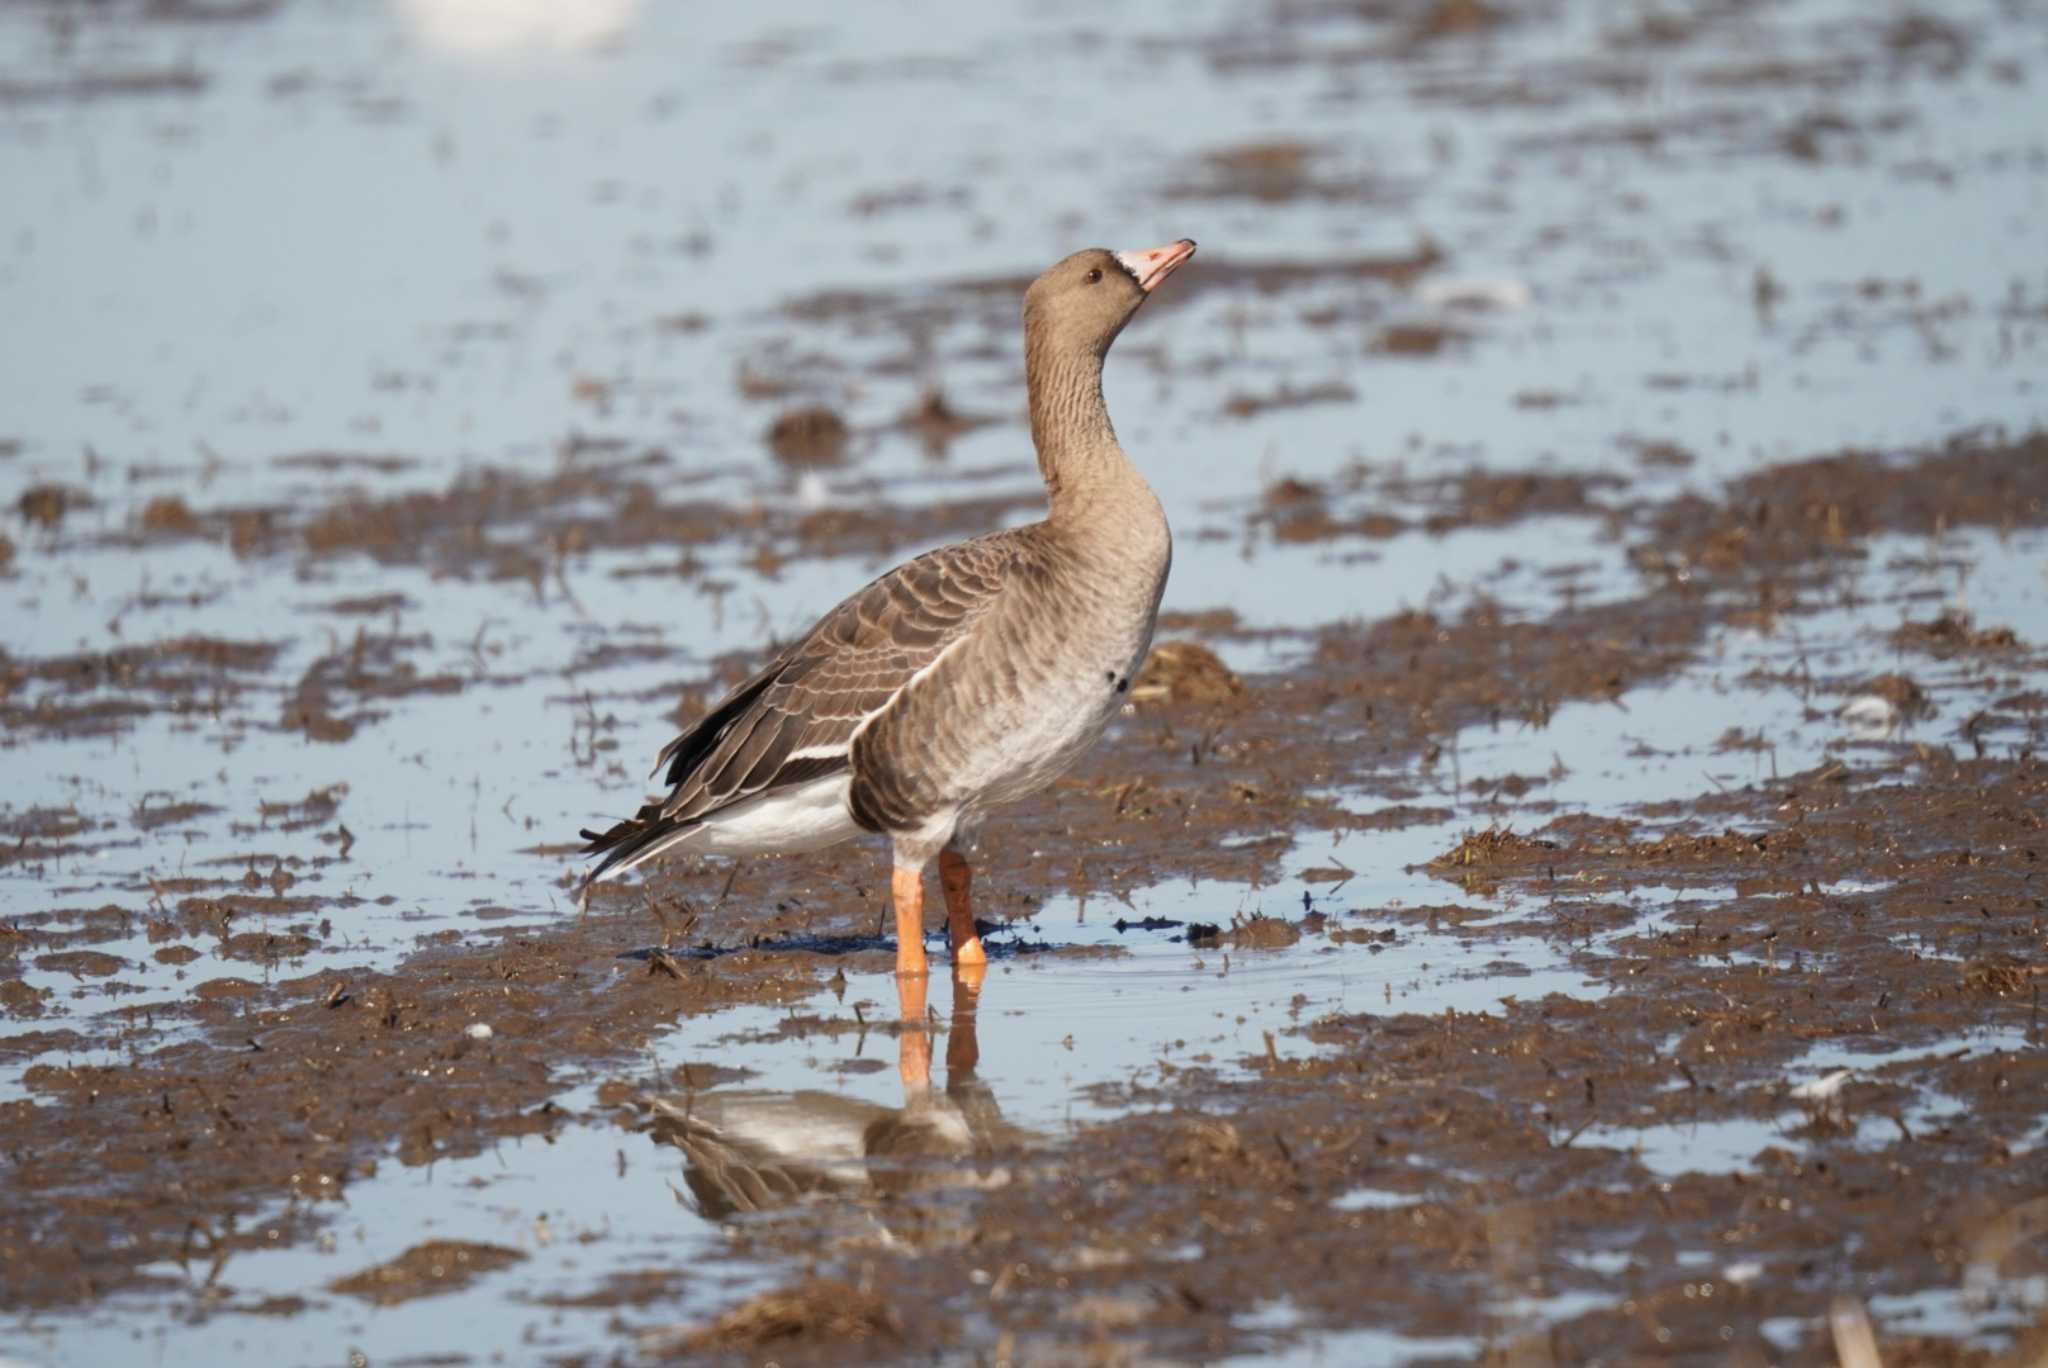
(383, 232)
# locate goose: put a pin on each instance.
(970, 677)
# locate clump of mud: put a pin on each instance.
(1185, 672)
(809, 437)
(824, 1314)
(426, 1270)
(1953, 633)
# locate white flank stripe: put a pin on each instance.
(955, 644)
(817, 753)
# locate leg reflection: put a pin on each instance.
(963, 1047)
(913, 1038)
(750, 1149)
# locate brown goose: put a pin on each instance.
(971, 676)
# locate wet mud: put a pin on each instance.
(1886, 897)
(1565, 887)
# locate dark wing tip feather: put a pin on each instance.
(684, 754)
(625, 842)
(605, 840)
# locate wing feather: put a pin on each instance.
(796, 718)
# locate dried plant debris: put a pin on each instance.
(1953, 633)
(426, 1270)
(1185, 672)
(808, 437)
(824, 1312)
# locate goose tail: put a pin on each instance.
(627, 845)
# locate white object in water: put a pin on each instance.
(1869, 717)
(1474, 294)
(509, 28)
(478, 1030)
(1743, 1272)
(1823, 1093)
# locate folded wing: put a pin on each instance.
(795, 720)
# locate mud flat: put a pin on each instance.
(1565, 889)
(1604, 1144)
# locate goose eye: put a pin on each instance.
(1094, 274)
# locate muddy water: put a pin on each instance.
(1587, 911)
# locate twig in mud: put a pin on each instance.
(558, 555)
(1577, 1131)
(476, 644)
(670, 933)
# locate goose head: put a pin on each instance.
(1081, 303)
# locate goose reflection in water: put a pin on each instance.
(748, 1151)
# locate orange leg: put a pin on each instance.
(906, 886)
(914, 1043)
(958, 880)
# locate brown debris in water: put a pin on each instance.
(332, 462)
(1287, 396)
(168, 513)
(1268, 170)
(1278, 171)
(1901, 692)
(808, 437)
(1951, 633)
(47, 504)
(1185, 672)
(1452, 18)
(82, 963)
(1658, 454)
(1288, 490)
(639, 1287)
(101, 692)
(1486, 497)
(1494, 847)
(426, 1270)
(1273, 276)
(824, 1310)
(1416, 339)
(98, 85)
(371, 667)
(936, 422)
(1260, 932)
